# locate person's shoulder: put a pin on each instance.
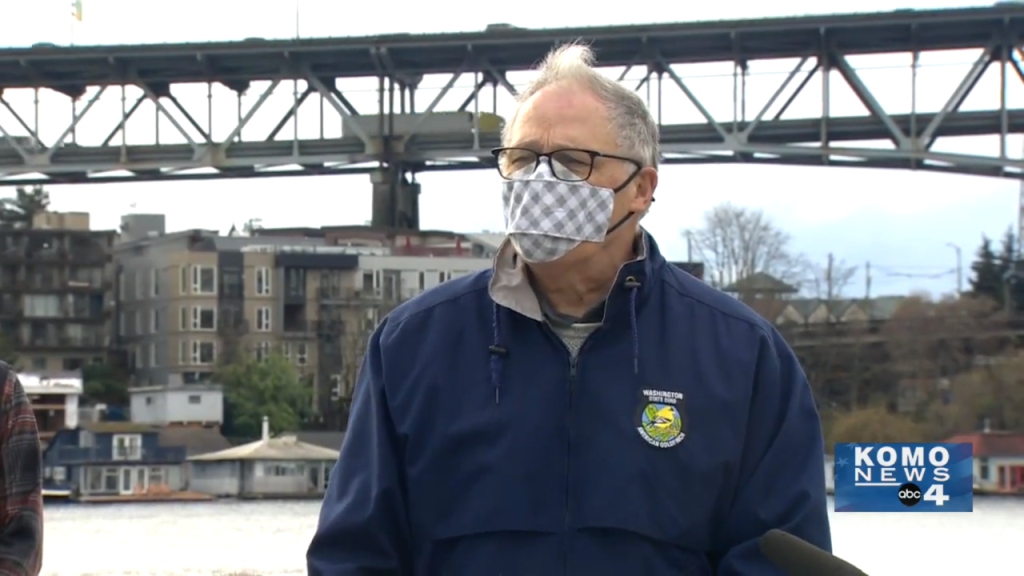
(717, 305)
(445, 300)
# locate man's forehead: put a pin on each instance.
(560, 117)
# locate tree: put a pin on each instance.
(256, 388)
(873, 425)
(103, 383)
(831, 280)
(735, 242)
(19, 211)
(992, 393)
(987, 279)
(1008, 262)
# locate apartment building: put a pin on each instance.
(189, 300)
(55, 291)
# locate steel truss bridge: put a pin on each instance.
(820, 44)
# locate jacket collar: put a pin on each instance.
(510, 287)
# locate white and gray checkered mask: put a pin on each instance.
(546, 217)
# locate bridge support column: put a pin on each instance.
(396, 200)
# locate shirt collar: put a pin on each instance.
(510, 285)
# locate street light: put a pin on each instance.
(959, 268)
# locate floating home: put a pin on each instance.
(282, 467)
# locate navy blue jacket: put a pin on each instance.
(685, 431)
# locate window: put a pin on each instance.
(983, 470)
(262, 351)
(42, 306)
(153, 360)
(183, 280)
(183, 319)
(204, 318)
(138, 285)
(183, 353)
(154, 282)
(120, 322)
(286, 350)
(121, 285)
(127, 447)
(137, 321)
(204, 280)
(195, 399)
(263, 319)
(154, 321)
(263, 281)
(203, 353)
(301, 354)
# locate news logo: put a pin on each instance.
(904, 478)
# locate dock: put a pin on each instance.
(150, 498)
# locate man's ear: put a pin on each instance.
(643, 193)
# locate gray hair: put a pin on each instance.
(632, 121)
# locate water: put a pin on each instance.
(270, 538)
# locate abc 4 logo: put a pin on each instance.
(910, 494)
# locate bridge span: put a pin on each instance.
(397, 139)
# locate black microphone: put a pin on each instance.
(801, 558)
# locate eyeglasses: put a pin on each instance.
(567, 164)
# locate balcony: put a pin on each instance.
(71, 455)
(298, 329)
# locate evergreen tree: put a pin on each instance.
(1011, 270)
(18, 212)
(987, 279)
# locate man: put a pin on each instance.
(21, 487)
(584, 408)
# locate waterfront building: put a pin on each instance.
(282, 467)
(105, 460)
(190, 300)
(998, 460)
(55, 291)
(54, 399)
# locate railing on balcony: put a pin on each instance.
(298, 328)
(78, 455)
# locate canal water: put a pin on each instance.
(270, 538)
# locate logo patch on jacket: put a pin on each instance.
(660, 421)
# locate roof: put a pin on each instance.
(281, 448)
(331, 440)
(760, 282)
(195, 441)
(118, 427)
(992, 444)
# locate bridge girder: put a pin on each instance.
(822, 45)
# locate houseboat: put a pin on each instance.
(114, 462)
(282, 467)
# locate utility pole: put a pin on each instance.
(959, 269)
(867, 281)
(828, 278)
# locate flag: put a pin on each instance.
(76, 10)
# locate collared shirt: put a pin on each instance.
(511, 287)
(21, 500)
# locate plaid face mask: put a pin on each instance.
(546, 217)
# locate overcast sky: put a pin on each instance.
(900, 221)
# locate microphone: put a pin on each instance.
(798, 557)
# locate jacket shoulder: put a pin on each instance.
(719, 304)
(439, 300)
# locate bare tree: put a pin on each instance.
(830, 280)
(735, 242)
